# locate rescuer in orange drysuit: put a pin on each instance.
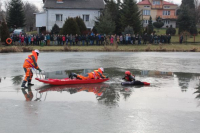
(96, 74)
(30, 62)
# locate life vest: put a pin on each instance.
(127, 78)
(92, 75)
(29, 61)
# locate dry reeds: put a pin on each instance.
(67, 48)
(15, 49)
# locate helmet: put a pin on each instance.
(37, 51)
(128, 73)
(101, 69)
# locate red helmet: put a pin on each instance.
(128, 73)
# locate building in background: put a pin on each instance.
(56, 12)
(158, 8)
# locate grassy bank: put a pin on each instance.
(175, 39)
(128, 48)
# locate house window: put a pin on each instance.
(146, 6)
(167, 21)
(146, 12)
(146, 22)
(156, 2)
(59, 17)
(166, 12)
(166, 7)
(86, 18)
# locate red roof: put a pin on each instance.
(167, 3)
(146, 2)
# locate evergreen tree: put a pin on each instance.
(189, 3)
(114, 9)
(55, 29)
(150, 26)
(16, 16)
(184, 20)
(171, 30)
(104, 24)
(193, 29)
(158, 24)
(4, 32)
(128, 30)
(70, 27)
(81, 25)
(130, 15)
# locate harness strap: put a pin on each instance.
(30, 63)
(94, 74)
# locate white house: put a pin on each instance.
(56, 12)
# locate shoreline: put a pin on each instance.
(120, 48)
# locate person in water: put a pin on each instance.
(131, 80)
(96, 74)
(129, 76)
(29, 64)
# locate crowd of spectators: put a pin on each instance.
(91, 39)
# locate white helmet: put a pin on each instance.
(37, 51)
(102, 69)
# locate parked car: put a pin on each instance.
(18, 31)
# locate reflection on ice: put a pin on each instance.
(110, 92)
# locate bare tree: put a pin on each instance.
(29, 10)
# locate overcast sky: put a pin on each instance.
(39, 3)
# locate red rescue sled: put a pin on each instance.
(68, 81)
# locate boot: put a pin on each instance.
(70, 76)
(29, 83)
(23, 85)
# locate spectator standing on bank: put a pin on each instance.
(169, 39)
(181, 39)
(111, 40)
(102, 39)
(139, 39)
(54, 40)
(22, 40)
(51, 40)
(127, 38)
(63, 40)
(67, 39)
(26, 40)
(121, 39)
(155, 39)
(87, 39)
(73, 39)
(70, 39)
(158, 41)
(48, 39)
(83, 38)
(118, 39)
(79, 40)
(145, 37)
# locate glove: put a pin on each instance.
(39, 70)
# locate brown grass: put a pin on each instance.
(109, 48)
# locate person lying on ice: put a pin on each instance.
(96, 74)
(129, 76)
(131, 80)
(30, 63)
